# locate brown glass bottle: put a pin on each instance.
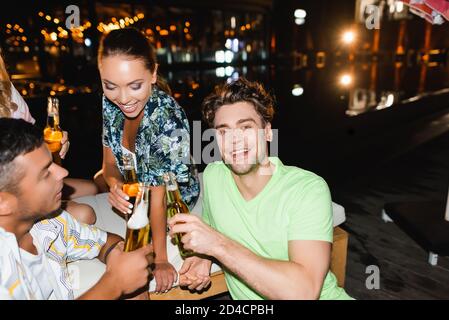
(138, 226)
(52, 131)
(175, 205)
(131, 184)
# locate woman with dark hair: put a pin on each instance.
(142, 120)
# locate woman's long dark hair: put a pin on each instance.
(131, 42)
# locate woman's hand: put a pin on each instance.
(118, 199)
(165, 275)
(65, 144)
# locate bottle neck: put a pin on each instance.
(53, 121)
(130, 175)
(173, 195)
(53, 113)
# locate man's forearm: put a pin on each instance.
(273, 279)
(105, 288)
(112, 240)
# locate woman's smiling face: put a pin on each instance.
(127, 82)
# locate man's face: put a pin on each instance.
(242, 137)
(41, 185)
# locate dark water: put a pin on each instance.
(318, 130)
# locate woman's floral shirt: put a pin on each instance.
(162, 143)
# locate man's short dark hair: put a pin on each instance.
(17, 137)
(240, 90)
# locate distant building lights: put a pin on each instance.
(297, 90)
(348, 37)
(346, 80)
(300, 13)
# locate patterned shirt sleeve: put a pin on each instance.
(106, 123)
(83, 241)
(172, 145)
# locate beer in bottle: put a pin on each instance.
(131, 185)
(138, 226)
(175, 205)
(52, 131)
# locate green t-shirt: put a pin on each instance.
(294, 205)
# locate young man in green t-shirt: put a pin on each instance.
(269, 225)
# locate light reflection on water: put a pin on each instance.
(362, 87)
(308, 123)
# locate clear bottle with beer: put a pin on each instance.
(131, 184)
(138, 226)
(175, 205)
(52, 132)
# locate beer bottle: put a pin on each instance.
(131, 185)
(175, 205)
(138, 226)
(52, 131)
